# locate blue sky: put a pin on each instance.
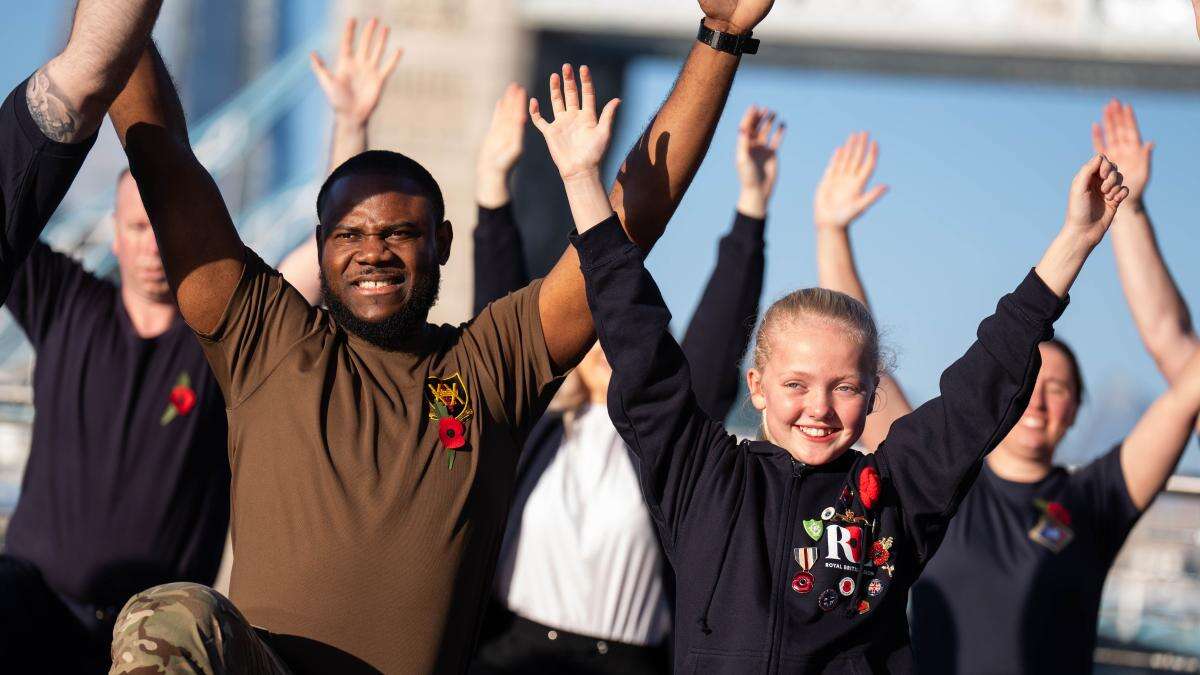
(978, 174)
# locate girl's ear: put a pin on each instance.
(755, 385)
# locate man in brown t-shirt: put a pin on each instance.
(373, 455)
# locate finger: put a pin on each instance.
(589, 90)
(346, 48)
(1080, 183)
(843, 153)
(1109, 120)
(535, 114)
(608, 114)
(1129, 122)
(1148, 152)
(556, 95)
(393, 62)
(860, 143)
(1111, 181)
(320, 70)
(380, 46)
(1120, 196)
(765, 127)
(1097, 138)
(868, 165)
(570, 87)
(777, 139)
(364, 40)
(836, 160)
(873, 195)
(749, 120)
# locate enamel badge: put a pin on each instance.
(1053, 528)
(814, 528)
(846, 586)
(828, 600)
(874, 588)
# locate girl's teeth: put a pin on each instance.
(816, 433)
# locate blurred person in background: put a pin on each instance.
(127, 482)
(582, 584)
(374, 454)
(1032, 543)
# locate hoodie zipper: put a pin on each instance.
(785, 538)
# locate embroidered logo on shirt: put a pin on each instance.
(450, 392)
(449, 406)
(1053, 528)
(846, 539)
(180, 401)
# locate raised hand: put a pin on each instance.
(1117, 138)
(577, 138)
(354, 85)
(1096, 192)
(736, 16)
(759, 137)
(1196, 9)
(501, 148)
(842, 195)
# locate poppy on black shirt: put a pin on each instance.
(1016, 585)
(127, 483)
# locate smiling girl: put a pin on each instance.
(795, 553)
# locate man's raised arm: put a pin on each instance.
(200, 248)
(70, 94)
(655, 173)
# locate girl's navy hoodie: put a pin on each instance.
(782, 566)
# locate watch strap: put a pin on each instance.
(727, 42)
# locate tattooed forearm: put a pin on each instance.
(49, 107)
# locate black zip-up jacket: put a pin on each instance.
(743, 523)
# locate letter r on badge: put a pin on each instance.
(848, 539)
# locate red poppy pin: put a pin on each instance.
(180, 401)
(868, 487)
(449, 406)
(881, 551)
(1054, 510)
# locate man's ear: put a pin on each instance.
(444, 237)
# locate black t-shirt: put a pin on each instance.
(1015, 588)
(35, 173)
(127, 484)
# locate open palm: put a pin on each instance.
(577, 138)
(355, 83)
(505, 137)
(842, 194)
(1117, 137)
(758, 143)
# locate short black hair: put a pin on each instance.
(387, 163)
(1075, 371)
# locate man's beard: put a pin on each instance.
(396, 331)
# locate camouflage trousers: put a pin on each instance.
(188, 628)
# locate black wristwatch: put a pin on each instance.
(727, 42)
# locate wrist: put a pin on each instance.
(491, 189)
(723, 26)
(831, 226)
(347, 123)
(752, 202)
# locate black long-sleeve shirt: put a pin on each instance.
(720, 329)
(35, 174)
(742, 523)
